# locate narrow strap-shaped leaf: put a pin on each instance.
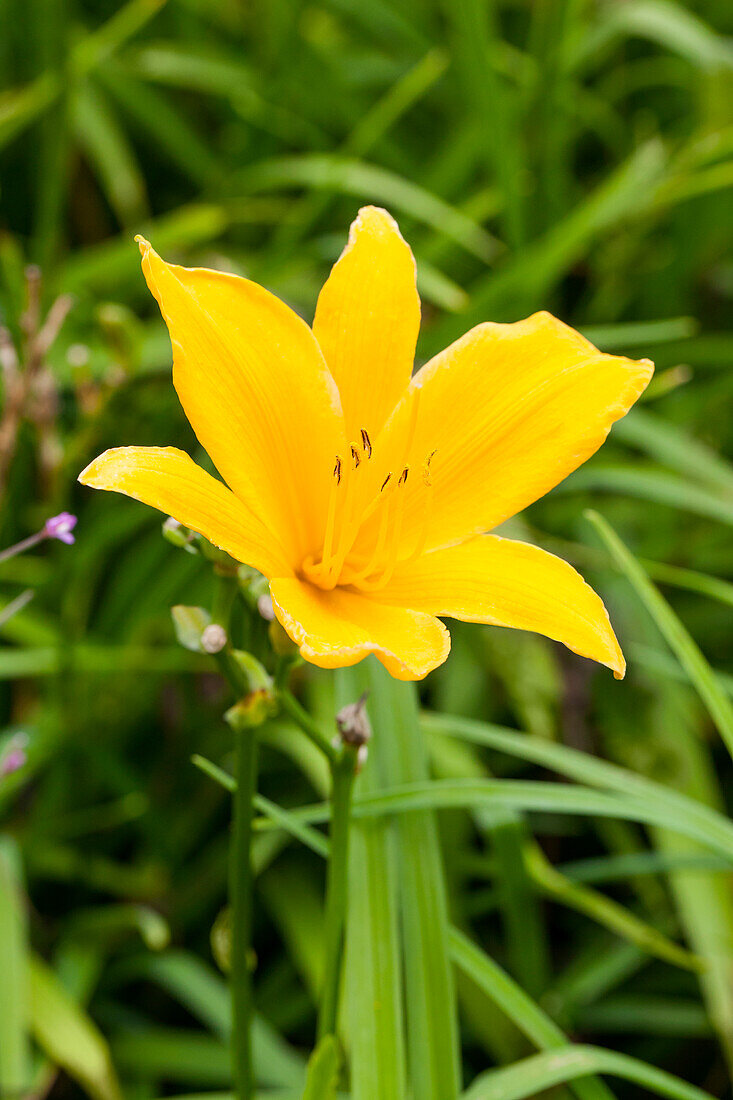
(678, 638)
(374, 1002)
(531, 1020)
(68, 1036)
(699, 823)
(431, 1003)
(15, 1052)
(323, 1069)
(532, 1075)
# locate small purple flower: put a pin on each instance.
(15, 756)
(60, 527)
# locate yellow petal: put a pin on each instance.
(255, 387)
(169, 480)
(509, 410)
(507, 583)
(338, 628)
(367, 321)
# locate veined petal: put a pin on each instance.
(256, 389)
(338, 628)
(367, 320)
(506, 583)
(169, 480)
(509, 411)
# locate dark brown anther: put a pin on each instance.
(385, 483)
(356, 456)
(366, 443)
(404, 476)
(337, 470)
(353, 723)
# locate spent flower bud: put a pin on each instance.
(353, 723)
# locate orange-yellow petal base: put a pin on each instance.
(338, 628)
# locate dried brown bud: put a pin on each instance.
(353, 723)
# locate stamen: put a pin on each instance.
(385, 482)
(378, 551)
(427, 510)
(393, 547)
(348, 529)
(330, 520)
(366, 443)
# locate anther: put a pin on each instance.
(386, 482)
(337, 470)
(426, 469)
(366, 443)
(355, 455)
(404, 475)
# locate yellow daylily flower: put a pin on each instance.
(364, 493)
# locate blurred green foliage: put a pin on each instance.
(562, 154)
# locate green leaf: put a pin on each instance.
(67, 1035)
(672, 446)
(654, 485)
(109, 154)
(354, 177)
(15, 1064)
(323, 1071)
(584, 768)
(431, 1015)
(543, 1071)
(374, 960)
(503, 991)
(680, 641)
(206, 996)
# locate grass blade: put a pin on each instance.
(431, 1007)
(542, 1071)
(373, 946)
(14, 1016)
(685, 648)
(67, 1035)
(503, 991)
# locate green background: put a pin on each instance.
(559, 154)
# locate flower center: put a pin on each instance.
(358, 494)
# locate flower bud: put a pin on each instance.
(281, 642)
(178, 535)
(213, 638)
(190, 624)
(251, 710)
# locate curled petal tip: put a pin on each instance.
(143, 244)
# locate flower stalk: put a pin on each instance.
(343, 773)
(240, 898)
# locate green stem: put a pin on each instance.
(240, 896)
(241, 879)
(311, 729)
(342, 784)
